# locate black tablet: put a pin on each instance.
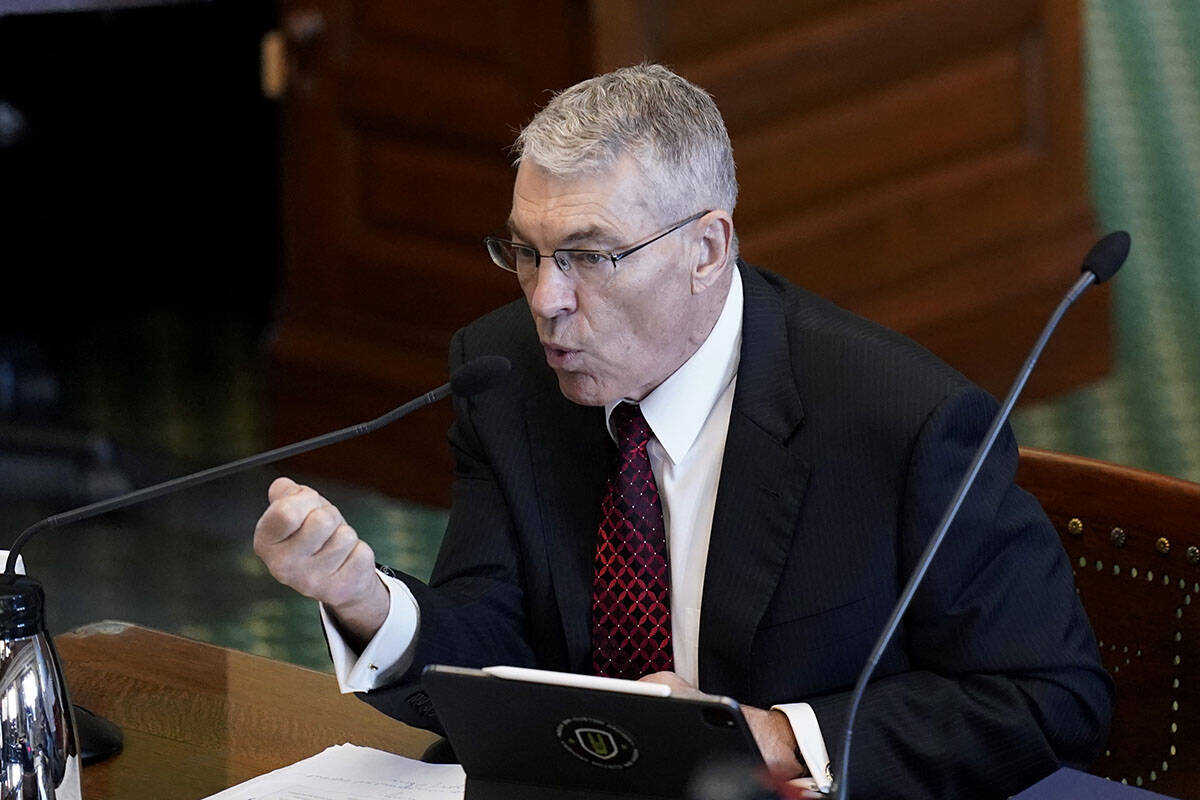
(525, 734)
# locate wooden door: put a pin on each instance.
(918, 161)
(397, 123)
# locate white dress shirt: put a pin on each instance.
(689, 416)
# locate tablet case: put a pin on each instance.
(526, 740)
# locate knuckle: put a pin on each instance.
(344, 537)
(286, 516)
(317, 518)
(333, 512)
(361, 560)
(365, 552)
(324, 518)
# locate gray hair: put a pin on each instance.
(670, 126)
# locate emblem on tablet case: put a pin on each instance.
(597, 742)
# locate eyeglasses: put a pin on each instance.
(593, 267)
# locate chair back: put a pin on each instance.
(1134, 542)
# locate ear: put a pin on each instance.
(712, 260)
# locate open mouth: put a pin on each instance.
(559, 357)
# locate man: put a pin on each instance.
(781, 466)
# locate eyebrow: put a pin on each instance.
(599, 235)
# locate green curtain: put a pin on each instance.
(1142, 101)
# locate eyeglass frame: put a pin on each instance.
(563, 266)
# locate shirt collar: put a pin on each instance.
(678, 407)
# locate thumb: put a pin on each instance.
(281, 487)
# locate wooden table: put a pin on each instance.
(199, 718)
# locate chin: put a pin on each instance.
(582, 389)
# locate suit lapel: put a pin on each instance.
(759, 496)
(571, 450)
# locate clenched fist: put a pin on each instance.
(307, 545)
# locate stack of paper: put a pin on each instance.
(350, 772)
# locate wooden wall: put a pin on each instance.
(918, 161)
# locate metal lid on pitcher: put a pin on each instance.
(22, 606)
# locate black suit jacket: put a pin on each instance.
(845, 443)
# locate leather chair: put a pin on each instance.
(1134, 541)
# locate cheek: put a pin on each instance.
(654, 322)
(625, 337)
(639, 350)
(632, 329)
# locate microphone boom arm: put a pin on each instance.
(211, 474)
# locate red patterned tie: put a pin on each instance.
(631, 610)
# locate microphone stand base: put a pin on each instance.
(99, 739)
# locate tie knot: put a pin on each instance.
(631, 427)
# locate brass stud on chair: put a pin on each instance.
(1193, 555)
(1163, 545)
(1075, 526)
(1117, 537)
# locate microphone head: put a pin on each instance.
(731, 778)
(478, 374)
(1107, 255)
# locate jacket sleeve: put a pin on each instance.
(1002, 680)
(472, 613)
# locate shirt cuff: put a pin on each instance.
(810, 742)
(388, 653)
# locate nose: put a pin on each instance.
(551, 293)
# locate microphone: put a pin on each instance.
(471, 378)
(742, 779)
(1107, 256)
(1100, 264)
(730, 779)
(50, 727)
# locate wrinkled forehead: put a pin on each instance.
(601, 204)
